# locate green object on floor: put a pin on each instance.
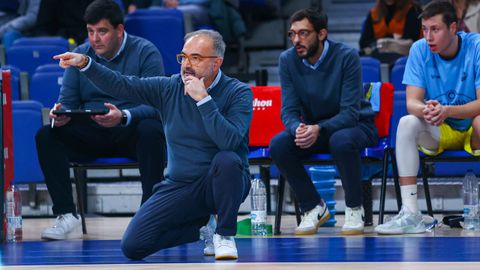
(244, 227)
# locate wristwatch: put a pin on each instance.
(124, 120)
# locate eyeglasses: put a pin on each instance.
(194, 59)
(302, 34)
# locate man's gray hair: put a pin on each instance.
(218, 43)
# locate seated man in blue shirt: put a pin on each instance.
(323, 110)
(128, 129)
(206, 117)
(443, 91)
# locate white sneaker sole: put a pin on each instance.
(350, 231)
(75, 234)
(400, 231)
(226, 257)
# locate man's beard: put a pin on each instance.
(311, 50)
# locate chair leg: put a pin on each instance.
(297, 211)
(368, 202)
(265, 176)
(278, 215)
(80, 176)
(426, 188)
(383, 187)
(396, 180)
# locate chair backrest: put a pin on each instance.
(371, 71)
(45, 87)
(15, 80)
(27, 119)
(266, 121)
(39, 41)
(165, 32)
(28, 58)
(49, 68)
(396, 76)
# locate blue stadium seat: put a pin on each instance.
(27, 119)
(28, 58)
(165, 32)
(35, 41)
(370, 69)
(396, 76)
(45, 87)
(49, 68)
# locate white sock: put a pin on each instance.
(409, 197)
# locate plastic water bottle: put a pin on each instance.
(470, 202)
(258, 215)
(13, 212)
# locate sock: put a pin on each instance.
(409, 197)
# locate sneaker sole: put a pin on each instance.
(400, 232)
(352, 232)
(226, 257)
(206, 253)
(314, 231)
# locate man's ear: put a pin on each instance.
(322, 34)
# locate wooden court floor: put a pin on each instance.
(441, 248)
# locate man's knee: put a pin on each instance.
(132, 250)
(280, 143)
(342, 141)
(227, 160)
(43, 134)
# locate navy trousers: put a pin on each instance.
(84, 139)
(344, 145)
(177, 210)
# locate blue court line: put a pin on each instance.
(334, 249)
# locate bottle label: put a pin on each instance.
(258, 216)
(470, 211)
(14, 222)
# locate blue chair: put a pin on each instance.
(396, 76)
(26, 120)
(370, 69)
(45, 87)
(165, 32)
(49, 68)
(80, 168)
(36, 41)
(28, 58)
(15, 72)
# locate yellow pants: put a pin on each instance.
(452, 139)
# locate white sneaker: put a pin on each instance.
(354, 221)
(313, 219)
(66, 226)
(225, 248)
(206, 234)
(406, 222)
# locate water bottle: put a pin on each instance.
(470, 202)
(258, 215)
(13, 212)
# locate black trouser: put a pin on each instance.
(177, 210)
(85, 139)
(344, 145)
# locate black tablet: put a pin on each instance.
(80, 112)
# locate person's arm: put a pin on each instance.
(351, 96)
(415, 100)
(138, 90)
(465, 111)
(291, 105)
(229, 129)
(23, 22)
(367, 39)
(152, 65)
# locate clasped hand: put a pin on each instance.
(306, 135)
(434, 113)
